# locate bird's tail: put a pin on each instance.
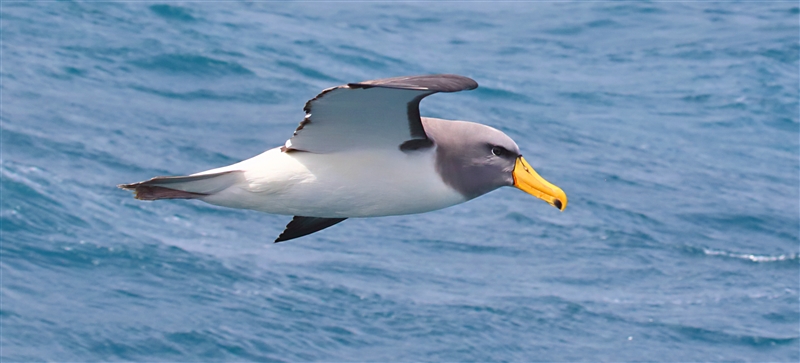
(183, 187)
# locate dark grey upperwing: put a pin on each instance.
(301, 226)
(382, 113)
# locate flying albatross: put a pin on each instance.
(364, 151)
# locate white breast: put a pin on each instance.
(361, 183)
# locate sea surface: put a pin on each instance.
(673, 128)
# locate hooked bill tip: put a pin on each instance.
(557, 204)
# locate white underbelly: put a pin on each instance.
(354, 184)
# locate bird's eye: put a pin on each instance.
(498, 151)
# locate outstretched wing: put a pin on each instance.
(382, 113)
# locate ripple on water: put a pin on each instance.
(29, 204)
(194, 64)
(250, 96)
(488, 93)
(790, 257)
(782, 226)
(365, 58)
(172, 12)
(692, 333)
(306, 71)
(785, 259)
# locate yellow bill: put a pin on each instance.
(529, 181)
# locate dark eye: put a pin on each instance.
(499, 151)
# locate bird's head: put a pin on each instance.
(475, 159)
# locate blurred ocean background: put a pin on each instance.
(672, 126)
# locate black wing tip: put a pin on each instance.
(284, 237)
(301, 226)
(287, 233)
(429, 82)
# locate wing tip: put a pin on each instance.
(302, 226)
(428, 82)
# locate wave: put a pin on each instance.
(752, 257)
(194, 64)
(253, 96)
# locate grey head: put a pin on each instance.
(471, 158)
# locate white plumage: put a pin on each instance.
(353, 183)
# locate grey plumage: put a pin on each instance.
(386, 109)
(465, 159)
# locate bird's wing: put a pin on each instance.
(301, 226)
(372, 114)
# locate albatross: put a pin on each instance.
(363, 150)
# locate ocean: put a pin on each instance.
(673, 127)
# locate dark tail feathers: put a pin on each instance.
(182, 187)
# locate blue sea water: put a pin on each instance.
(673, 128)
